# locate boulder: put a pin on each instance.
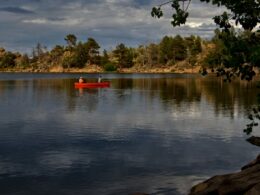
(254, 140)
(246, 181)
(253, 163)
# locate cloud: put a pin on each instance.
(53, 21)
(110, 22)
(16, 10)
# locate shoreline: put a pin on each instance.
(97, 69)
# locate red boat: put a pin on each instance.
(92, 85)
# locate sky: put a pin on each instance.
(24, 23)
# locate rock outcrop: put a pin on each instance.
(246, 182)
(254, 140)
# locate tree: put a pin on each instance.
(166, 50)
(142, 55)
(152, 55)
(92, 48)
(56, 54)
(22, 61)
(172, 50)
(196, 47)
(71, 40)
(124, 56)
(179, 48)
(7, 60)
(179, 17)
(236, 53)
(81, 55)
(57, 50)
(38, 52)
(246, 13)
(104, 58)
(69, 59)
(242, 50)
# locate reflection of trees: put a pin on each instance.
(169, 88)
(180, 90)
(177, 89)
(235, 97)
(51, 93)
(231, 98)
(56, 89)
(123, 83)
(63, 93)
(87, 98)
(227, 98)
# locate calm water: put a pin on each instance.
(153, 133)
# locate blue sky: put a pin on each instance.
(24, 23)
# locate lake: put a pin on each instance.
(152, 133)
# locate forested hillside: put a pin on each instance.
(171, 54)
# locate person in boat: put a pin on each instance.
(99, 79)
(81, 80)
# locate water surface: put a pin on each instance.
(153, 133)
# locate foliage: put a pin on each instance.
(216, 56)
(92, 48)
(7, 60)
(24, 61)
(236, 54)
(152, 55)
(252, 117)
(195, 47)
(167, 52)
(56, 54)
(39, 52)
(246, 13)
(179, 48)
(180, 15)
(104, 59)
(172, 49)
(71, 40)
(80, 55)
(166, 49)
(110, 67)
(124, 56)
(69, 59)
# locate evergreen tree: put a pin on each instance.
(7, 60)
(152, 55)
(124, 56)
(81, 55)
(166, 50)
(104, 58)
(71, 40)
(179, 48)
(92, 48)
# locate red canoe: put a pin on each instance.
(92, 85)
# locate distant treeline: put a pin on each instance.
(170, 51)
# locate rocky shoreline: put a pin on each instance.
(98, 69)
(246, 182)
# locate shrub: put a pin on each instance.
(110, 67)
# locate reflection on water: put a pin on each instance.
(158, 134)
